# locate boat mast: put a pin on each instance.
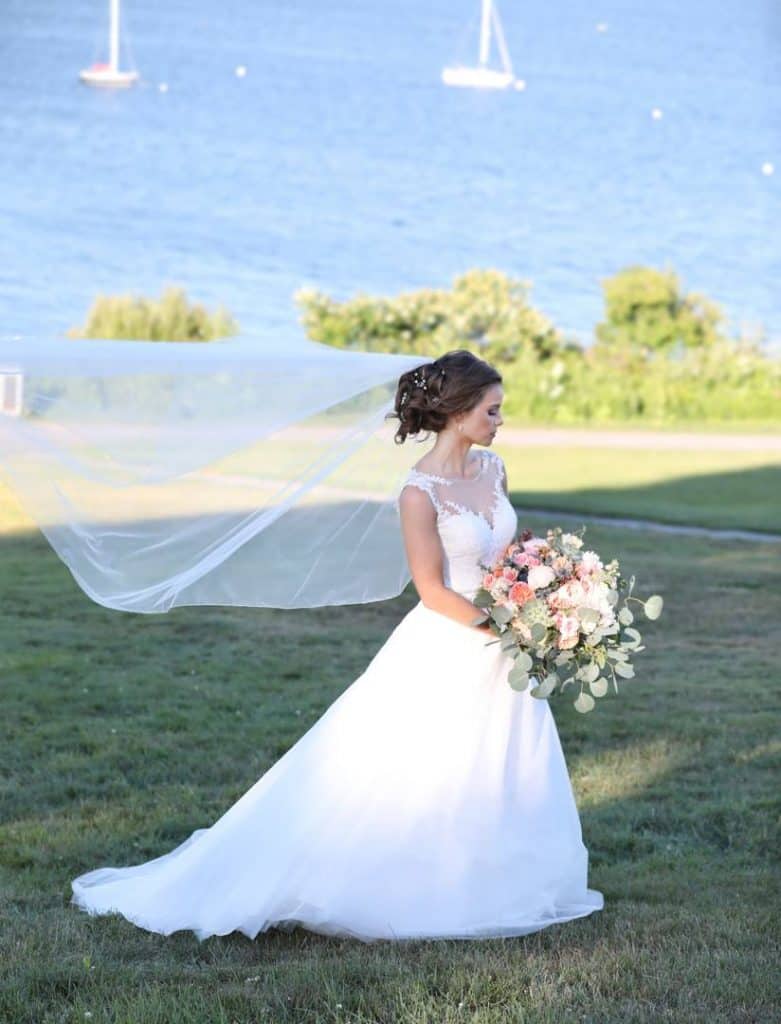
(113, 36)
(485, 32)
(501, 42)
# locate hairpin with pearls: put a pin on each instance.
(419, 381)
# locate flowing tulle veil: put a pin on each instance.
(227, 473)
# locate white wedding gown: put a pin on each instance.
(431, 800)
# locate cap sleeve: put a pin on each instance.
(423, 483)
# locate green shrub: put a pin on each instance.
(660, 357)
(485, 312)
(170, 318)
(646, 312)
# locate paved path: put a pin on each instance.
(650, 524)
(580, 438)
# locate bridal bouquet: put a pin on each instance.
(555, 609)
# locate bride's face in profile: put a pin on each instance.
(481, 423)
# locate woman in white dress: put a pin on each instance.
(431, 800)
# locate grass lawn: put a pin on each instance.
(121, 734)
(709, 488)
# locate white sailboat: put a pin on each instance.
(482, 76)
(109, 75)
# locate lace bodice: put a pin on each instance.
(475, 519)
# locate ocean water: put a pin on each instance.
(340, 161)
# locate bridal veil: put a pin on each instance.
(220, 473)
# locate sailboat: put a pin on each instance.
(109, 75)
(482, 76)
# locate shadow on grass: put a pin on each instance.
(748, 499)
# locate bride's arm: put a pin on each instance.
(426, 560)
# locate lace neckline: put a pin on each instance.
(457, 479)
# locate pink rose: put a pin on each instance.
(510, 573)
(533, 545)
(526, 561)
(488, 580)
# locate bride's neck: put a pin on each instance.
(450, 456)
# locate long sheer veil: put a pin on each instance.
(225, 473)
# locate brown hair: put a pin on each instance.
(429, 395)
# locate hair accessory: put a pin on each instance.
(419, 380)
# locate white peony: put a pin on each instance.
(540, 576)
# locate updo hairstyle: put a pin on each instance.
(429, 395)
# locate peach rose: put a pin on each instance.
(520, 593)
(509, 573)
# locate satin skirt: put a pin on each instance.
(430, 800)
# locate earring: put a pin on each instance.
(460, 426)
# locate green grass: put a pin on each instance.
(708, 488)
(120, 734)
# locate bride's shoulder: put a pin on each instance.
(496, 460)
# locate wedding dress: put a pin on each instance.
(431, 800)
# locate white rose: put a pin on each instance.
(540, 576)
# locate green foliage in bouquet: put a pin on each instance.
(170, 318)
(550, 655)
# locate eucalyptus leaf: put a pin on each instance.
(624, 669)
(617, 654)
(501, 614)
(588, 616)
(483, 599)
(517, 678)
(523, 662)
(584, 703)
(612, 598)
(589, 672)
(538, 632)
(598, 687)
(564, 657)
(625, 617)
(653, 607)
(546, 687)
(631, 636)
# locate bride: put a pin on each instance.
(431, 800)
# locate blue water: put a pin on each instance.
(341, 162)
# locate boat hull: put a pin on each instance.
(108, 79)
(478, 78)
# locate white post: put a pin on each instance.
(485, 32)
(113, 37)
